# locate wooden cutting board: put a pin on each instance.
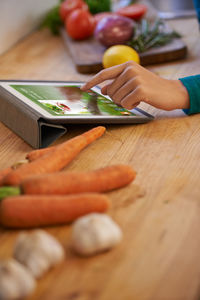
(87, 54)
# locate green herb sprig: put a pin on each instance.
(149, 36)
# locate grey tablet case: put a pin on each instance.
(27, 123)
(37, 131)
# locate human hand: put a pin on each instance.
(132, 83)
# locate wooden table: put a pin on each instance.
(159, 257)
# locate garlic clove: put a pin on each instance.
(38, 251)
(95, 233)
(16, 281)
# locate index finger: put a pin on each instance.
(106, 74)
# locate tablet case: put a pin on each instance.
(27, 123)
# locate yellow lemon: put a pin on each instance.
(119, 54)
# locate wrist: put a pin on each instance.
(183, 96)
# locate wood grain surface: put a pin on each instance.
(158, 258)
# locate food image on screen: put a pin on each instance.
(70, 100)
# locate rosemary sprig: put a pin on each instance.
(149, 36)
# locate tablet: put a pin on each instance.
(64, 102)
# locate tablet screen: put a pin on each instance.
(62, 100)
(58, 100)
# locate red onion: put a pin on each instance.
(113, 30)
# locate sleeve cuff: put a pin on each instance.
(192, 84)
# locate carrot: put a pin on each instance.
(3, 173)
(72, 182)
(54, 160)
(28, 211)
(35, 154)
(6, 171)
(60, 183)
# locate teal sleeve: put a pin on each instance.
(192, 84)
(197, 7)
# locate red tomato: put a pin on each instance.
(80, 24)
(134, 11)
(68, 6)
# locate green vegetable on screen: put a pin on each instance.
(53, 107)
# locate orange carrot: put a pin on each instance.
(100, 180)
(33, 211)
(71, 182)
(3, 173)
(6, 171)
(35, 154)
(55, 160)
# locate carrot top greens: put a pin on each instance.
(7, 191)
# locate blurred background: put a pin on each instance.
(174, 8)
(19, 17)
